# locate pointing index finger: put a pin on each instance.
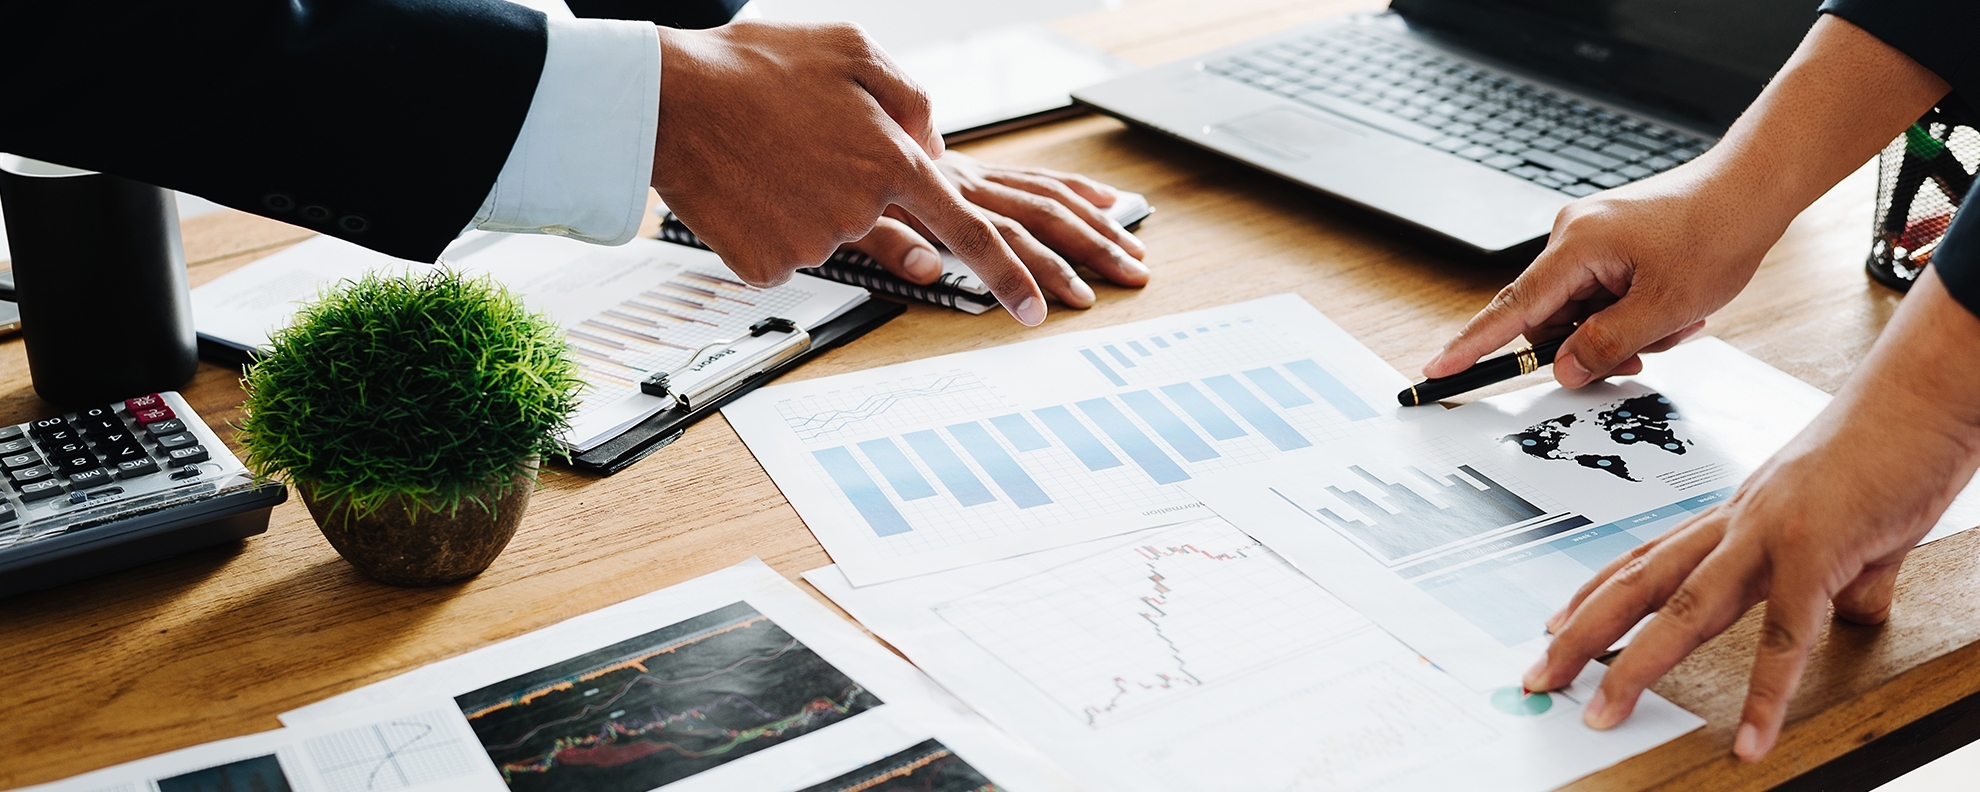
(969, 235)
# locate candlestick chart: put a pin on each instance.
(654, 709)
(927, 766)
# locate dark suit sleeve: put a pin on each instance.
(1944, 36)
(384, 122)
(688, 14)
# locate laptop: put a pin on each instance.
(1476, 120)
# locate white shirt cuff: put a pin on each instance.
(583, 163)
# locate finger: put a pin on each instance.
(1098, 193)
(1057, 191)
(1053, 274)
(969, 235)
(1535, 295)
(1867, 599)
(1056, 225)
(1705, 604)
(1637, 587)
(1609, 570)
(898, 94)
(1611, 336)
(901, 251)
(1795, 607)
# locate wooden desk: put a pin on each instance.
(216, 643)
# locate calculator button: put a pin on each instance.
(150, 415)
(180, 440)
(46, 424)
(56, 436)
(71, 465)
(11, 447)
(20, 460)
(133, 468)
(8, 513)
(95, 427)
(10, 432)
(70, 448)
(118, 452)
(90, 478)
(165, 427)
(144, 402)
(41, 490)
(181, 457)
(27, 474)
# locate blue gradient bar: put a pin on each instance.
(1139, 448)
(1254, 412)
(865, 495)
(1139, 349)
(1084, 445)
(1159, 341)
(1337, 394)
(1199, 406)
(907, 482)
(1023, 436)
(1171, 427)
(949, 468)
(1119, 355)
(1103, 367)
(1181, 335)
(1275, 386)
(997, 462)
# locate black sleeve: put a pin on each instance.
(689, 14)
(1958, 257)
(384, 122)
(1942, 35)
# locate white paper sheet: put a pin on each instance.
(736, 680)
(629, 310)
(939, 463)
(417, 750)
(1192, 658)
(1462, 532)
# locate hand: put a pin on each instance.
(778, 142)
(1827, 520)
(1048, 217)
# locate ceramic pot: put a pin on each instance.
(432, 549)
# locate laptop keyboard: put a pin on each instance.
(1523, 129)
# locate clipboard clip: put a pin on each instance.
(662, 384)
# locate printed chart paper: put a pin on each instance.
(1191, 658)
(1462, 532)
(733, 681)
(939, 463)
(629, 310)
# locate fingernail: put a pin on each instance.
(1132, 264)
(1570, 371)
(923, 264)
(1082, 292)
(1596, 713)
(1031, 312)
(1747, 744)
(1531, 680)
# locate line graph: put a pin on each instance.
(927, 766)
(832, 414)
(396, 754)
(1117, 632)
(660, 707)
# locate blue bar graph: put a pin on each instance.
(1213, 420)
(1180, 334)
(1275, 386)
(865, 495)
(1139, 349)
(1254, 412)
(1172, 429)
(1119, 355)
(997, 462)
(1089, 449)
(1139, 448)
(1331, 389)
(900, 472)
(1023, 436)
(949, 468)
(1159, 341)
(1103, 367)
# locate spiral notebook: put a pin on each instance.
(958, 288)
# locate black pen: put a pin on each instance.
(1524, 360)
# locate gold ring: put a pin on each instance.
(1528, 362)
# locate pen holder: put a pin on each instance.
(101, 279)
(1921, 178)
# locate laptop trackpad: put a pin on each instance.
(1288, 133)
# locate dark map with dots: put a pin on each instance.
(1642, 420)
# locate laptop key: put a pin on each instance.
(1504, 161)
(1450, 143)
(1600, 161)
(1476, 152)
(1580, 190)
(1634, 172)
(1556, 162)
(1609, 179)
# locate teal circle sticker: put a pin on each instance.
(1516, 702)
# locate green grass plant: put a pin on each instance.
(437, 387)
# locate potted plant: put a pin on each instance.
(411, 414)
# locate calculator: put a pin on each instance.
(117, 485)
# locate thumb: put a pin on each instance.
(1612, 337)
(1867, 599)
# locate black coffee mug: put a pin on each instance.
(101, 278)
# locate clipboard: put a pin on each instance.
(665, 427)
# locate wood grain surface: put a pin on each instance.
(216, 643)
